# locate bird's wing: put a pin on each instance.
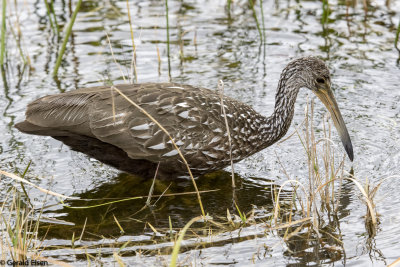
(116, 121)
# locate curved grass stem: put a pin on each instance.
(177, 246)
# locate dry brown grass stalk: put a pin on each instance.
(172, 140)
(22, 180)
(221, 91)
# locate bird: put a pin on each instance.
(110, 124)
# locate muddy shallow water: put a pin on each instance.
(208, 44)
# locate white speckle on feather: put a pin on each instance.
(171, 153)
(112, 117)
(228, 115)
(158, 146)
(219, 104)
(143, 136)
(175, 87)
(111, 124)
(200, 169)
(167, 107)
(184, 114)
(211, 155)
(218, 130)
(215, 139)
(141, 127)
(190, 146)
(178, 143)
(151, 103)
(183, 105)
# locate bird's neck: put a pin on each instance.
(276, 126)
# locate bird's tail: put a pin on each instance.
(29, 128)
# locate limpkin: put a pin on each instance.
(101, 123)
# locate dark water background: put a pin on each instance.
(358, 48)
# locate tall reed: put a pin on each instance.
(133, 61)
(52, 16)
(256, 19)
(262, 19)
(229, 7)
(396, 40)
(66, 37)
(3, 31)
(168, 50)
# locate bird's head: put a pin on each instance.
(315, 76)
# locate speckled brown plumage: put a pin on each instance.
(127, 139)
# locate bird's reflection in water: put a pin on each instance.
(180, 204)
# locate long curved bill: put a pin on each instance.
(326, 96)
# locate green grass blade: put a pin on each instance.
(262, 19)
(3, 32)
(168, 51)
(177, 246)
(46, 3)
(396, 40)
(256, 19)
(67, 34)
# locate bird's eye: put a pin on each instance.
(320, 80)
